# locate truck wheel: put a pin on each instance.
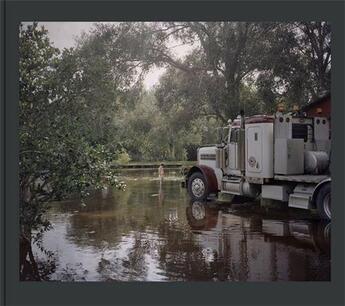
(321, 233)
(197, 187)
(323, 202)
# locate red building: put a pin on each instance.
(319, 107)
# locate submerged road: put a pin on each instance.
(154, 233)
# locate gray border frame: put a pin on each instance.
(2, 98)
(198, 293)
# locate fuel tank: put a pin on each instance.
(315, 162)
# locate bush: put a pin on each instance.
(123, 158)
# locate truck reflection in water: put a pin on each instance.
(254, 248)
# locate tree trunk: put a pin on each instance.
(28, 266)
(233, 100)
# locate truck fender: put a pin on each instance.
(208, 174)
(317, 188)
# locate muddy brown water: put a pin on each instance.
(155, 233)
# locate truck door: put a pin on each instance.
(254, 149)
(233, 149)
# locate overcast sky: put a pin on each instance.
(63, 35)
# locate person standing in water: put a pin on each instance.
(161, 173)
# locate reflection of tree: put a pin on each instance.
(72, 273)
(32, 269)
(136, 257)
(243, 244)
(181, 257)
(109, 219)
(134, 266)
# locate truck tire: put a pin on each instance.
(197, 187)
(323, 202)
(321, 233)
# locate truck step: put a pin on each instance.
(301, 197)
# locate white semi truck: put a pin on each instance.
(283, 157)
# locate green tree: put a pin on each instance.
(56, 158)
(298, 63)
(275, 61)
(315, 45)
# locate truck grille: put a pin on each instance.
(208, 156)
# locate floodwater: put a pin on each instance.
(152, 232)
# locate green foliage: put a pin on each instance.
(123, 158)
(61, 150)
(274, 61)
